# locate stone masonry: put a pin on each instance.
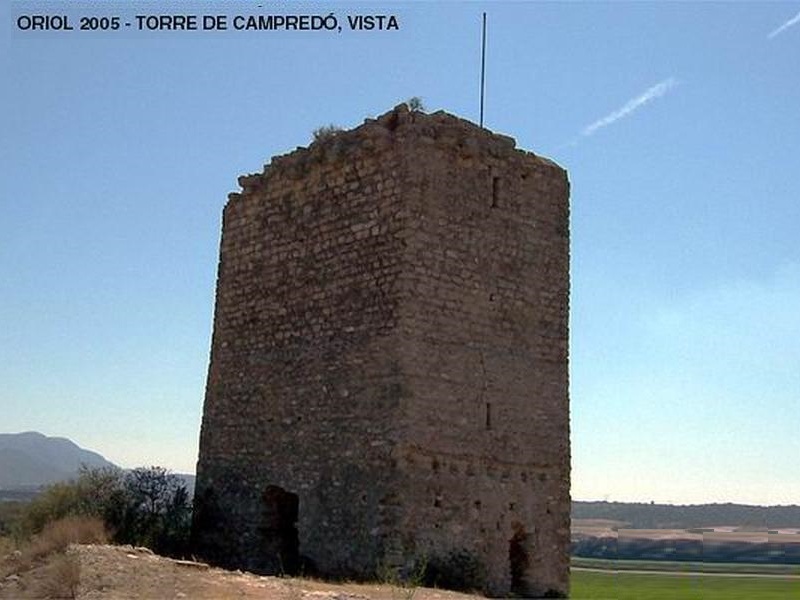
(388, 377)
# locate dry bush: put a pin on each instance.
(54, 539)
(57, 535)
(55, 573)
(326, 132)
(9, 557)
(415, 104)
(59, 578)
(7, 546)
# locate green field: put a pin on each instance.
(620, 585)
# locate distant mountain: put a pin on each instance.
(31, 459)
(18, 469)
(667, 516)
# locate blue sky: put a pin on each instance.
(679, 125)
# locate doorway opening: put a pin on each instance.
(280, 542)
(518, 559)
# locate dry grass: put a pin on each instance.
(7, 546)
(58, 579)
(117, 572)
(54, 539)
(56, 536)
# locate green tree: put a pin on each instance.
(144, 507)
(158, 512)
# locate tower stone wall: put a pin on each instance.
(388, 377)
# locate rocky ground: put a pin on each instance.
(101, 572)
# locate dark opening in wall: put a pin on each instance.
(280, 543)
(488, 415)
(495, 192)
(518, 560)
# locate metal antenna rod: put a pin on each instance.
(483, 65)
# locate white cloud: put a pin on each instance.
(632, 105)
(793, 21)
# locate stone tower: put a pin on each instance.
(388, 374)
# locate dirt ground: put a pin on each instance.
(99, 572)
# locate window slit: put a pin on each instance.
(495, 191)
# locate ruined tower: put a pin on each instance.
(388, 375)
